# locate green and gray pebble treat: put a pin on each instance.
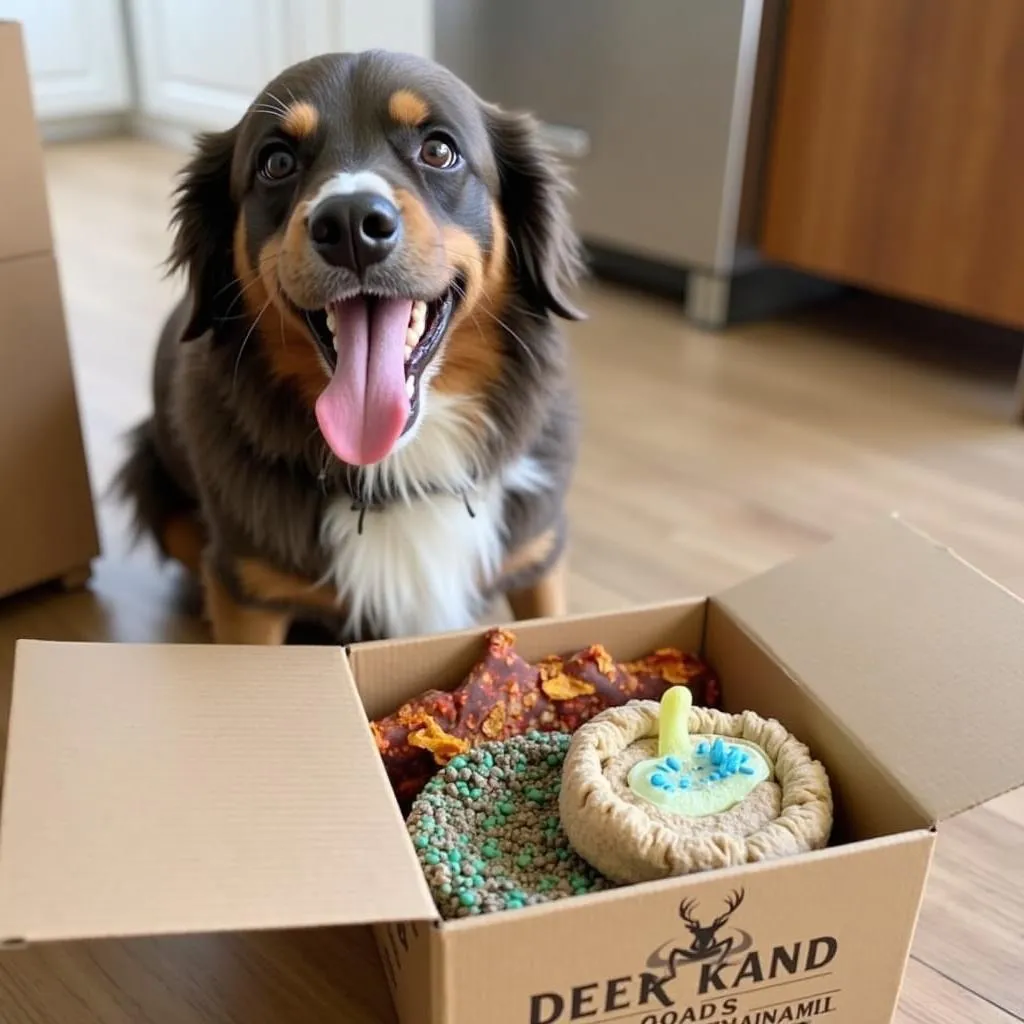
(487, 832)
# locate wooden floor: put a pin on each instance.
(707, 458)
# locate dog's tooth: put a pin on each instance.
(419, 312)
(410, 386)
(330, 321)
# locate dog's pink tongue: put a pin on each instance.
(364, 409)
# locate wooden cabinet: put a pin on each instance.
(897, 150)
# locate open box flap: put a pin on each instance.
(911, 650)
(161, 789)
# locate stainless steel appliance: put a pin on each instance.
(659, 106)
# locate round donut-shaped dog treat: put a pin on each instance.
(487, 832)
(651, 791)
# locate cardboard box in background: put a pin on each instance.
(47, 520)
(155, 790)
(24, 212)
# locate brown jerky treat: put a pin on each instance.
(476, 711)
(668, 665)
(589, 681)
(437, 742)
(506, 696)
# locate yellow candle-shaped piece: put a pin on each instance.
(674, 725)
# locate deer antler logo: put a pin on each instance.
(705, 942)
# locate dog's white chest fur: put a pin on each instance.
(420, 562)
(417, 566)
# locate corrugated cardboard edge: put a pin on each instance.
(725, 877)
(277, 812)
(52, 529)
(822, 708)
(781, 579)
(550, 932)
(444, 659)
(34, 198)
(956, 556)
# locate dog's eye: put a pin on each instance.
(276, 162)
(438, 151)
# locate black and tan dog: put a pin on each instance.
(363, 412)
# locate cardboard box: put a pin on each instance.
(24, 213)
(168, 789)
(47, 521)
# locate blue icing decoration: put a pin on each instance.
(708, 778)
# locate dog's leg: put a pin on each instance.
(546, 597)
(183, 539)
(261, 619)
(235, 623)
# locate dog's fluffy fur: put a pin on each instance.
(232, 476)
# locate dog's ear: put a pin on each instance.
(533, 196)
(203, 220)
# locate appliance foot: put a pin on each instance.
(707, 299)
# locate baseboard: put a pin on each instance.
(107, 126)
(767, 291)
(80, 129)
(640, 272)
(166, 133)
(754, 290)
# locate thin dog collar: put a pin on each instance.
(363, 507)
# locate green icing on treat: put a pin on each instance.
(715, 777)
(494, 840)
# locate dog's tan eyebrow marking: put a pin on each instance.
(301, 119)
(407, 108)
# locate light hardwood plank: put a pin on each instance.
(930, 998)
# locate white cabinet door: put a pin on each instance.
(404, 25)
(351, 25)
(201, 63)
(77, 55)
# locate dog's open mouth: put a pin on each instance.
(377, 349)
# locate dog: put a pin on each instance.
(364, 415)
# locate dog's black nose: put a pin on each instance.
(356, 230)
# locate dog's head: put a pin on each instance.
(384, 218)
